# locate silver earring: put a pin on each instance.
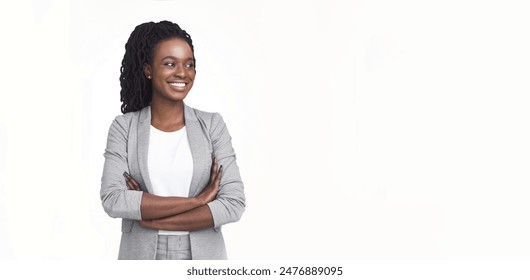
(149, 77)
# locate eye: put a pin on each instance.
(170, 64)
(190, 65)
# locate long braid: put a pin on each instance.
(136, 89)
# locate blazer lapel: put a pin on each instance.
(199, 149)
(144, 127)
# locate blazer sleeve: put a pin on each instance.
(229, 204)
(117, 200)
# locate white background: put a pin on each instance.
(363, 129)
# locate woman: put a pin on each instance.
(170, 170)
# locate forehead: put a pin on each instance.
(175, 47)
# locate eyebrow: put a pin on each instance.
(175, 58)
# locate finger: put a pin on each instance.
(213, 172)
(218, 176)
(125, 174)
(132, 183)
(135, 184)
(128, 183)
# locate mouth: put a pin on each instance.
(178, 84)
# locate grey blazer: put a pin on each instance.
(127, 148)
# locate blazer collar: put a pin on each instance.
(145, 114)
(197, 145)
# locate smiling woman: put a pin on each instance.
(180, 181)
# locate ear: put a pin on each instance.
(147, 70)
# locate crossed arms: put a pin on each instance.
(220, 202)
(178, 213)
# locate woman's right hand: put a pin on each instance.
(210, 191)
(132, 185)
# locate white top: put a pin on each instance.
(170, 165)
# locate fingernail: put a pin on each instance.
(221, 167)
(125, 174)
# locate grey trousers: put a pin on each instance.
(173, 247)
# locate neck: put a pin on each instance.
(167, 116)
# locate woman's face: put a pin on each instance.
(172, 70)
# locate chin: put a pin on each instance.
(170, 94)
(178, 96)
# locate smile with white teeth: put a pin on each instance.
(178, 84)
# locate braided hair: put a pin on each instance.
(136, 89)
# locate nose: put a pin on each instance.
(180, 72)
